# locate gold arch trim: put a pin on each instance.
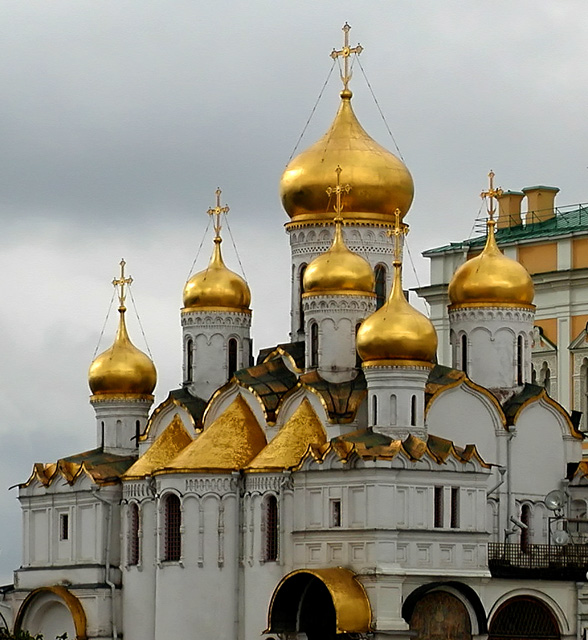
(353, 613)
(71, 602)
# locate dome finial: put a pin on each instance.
(217, 211)
(120, 284)
(344, 53)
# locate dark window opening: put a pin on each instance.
(454, 507)
(314, 344)
(380, 277)
(375, 410)
(413, 411)
(335, 513)
(300, 292)
(271, 529)
(357, 356)
(525, 519)
(173, 519)
(133, 534)
(64, 526)
(102, 434)
(520, 370)
(232, 357)
(137, 432)
(189, 360)
(464, 353)
(438, 507)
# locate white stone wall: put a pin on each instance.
(210, 333)
(337, 316)
(308, 242)
(492, 334)
(118, 421)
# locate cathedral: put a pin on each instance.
(342, 484)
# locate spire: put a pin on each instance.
(491, 277)
(397, 332)
(339, 270)
(217, 286)
(122, 369)
(344, 53)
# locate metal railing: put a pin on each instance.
(552, 562)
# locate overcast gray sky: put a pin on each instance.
(119, 119)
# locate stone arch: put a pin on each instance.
(47, 609)
(524, 616)
(453, 605)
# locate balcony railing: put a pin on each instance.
(542, 561)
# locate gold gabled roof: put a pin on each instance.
(166, 447)
(229, 444)
(302, 429)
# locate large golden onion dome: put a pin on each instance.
(491, 279)
(123, 369)
(217, 287)
(381, 182)
(397, 332)
(338, 270)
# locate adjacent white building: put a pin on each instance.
(343, 486)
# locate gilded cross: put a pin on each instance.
(338, 190)
(345, 52)
(398, 230)
(217, 211)
(491, 194)
(121, 282)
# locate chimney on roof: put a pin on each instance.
(540, 203)
(509, 213)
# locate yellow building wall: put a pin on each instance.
(549, 326)
(579, 254)
(538, 258)
(578, 324)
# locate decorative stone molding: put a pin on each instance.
(326, 304)
(212, 319)
(485, 314)
(255, 483)
(218, 485)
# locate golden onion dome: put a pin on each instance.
(217, 287)
(491, 279)
(381, 182)
(123, 369)
(397, 332)
(338, 270)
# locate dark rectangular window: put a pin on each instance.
(173, 539)
(64, 526)
(271, 529)
(335, 513)
(438, 507)
(133, 534)
(454, 507)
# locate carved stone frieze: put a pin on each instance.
(218, 485)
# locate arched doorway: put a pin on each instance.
(322, 604)
(440, 615)
(521, 618)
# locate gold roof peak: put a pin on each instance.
(491, 277)
(397, 332)
(217, 287)
(338, 270)
(122, 369)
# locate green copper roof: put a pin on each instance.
(567, 220)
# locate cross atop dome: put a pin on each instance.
(398, 229)
(344, 53)
(338, 189)
(217, 211)
(490, 195)
(120, 283)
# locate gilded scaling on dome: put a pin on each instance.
(122, 369)
(397, 332)
(339, 270)
(217, 287)
(381, 181)
(491, 279)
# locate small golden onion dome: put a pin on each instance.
(338, 270)
(217, 287)
(381, 182)
(491, 279)
(123, 369)
(397, 331)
